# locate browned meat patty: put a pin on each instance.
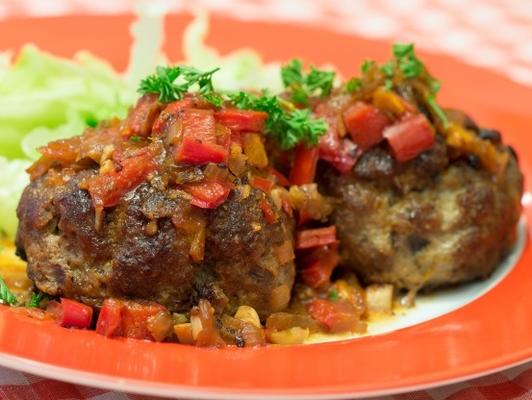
(430, 222)
(140, 254)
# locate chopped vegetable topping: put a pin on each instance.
(304, 168)
(410, 137)
(315, 237)
(208, 194)
(337, 316)
(317, 273)
(71, 314)
(199, 143)
(365, 124)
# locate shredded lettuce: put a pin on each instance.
(13, 179)
(51, 93)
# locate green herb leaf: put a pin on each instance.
(353, 85)
(320, 80)
(301, 86)
(35, 300)
(291, 73)
(288, 125)
(333, 295)
(367, 65)
(440, 114)
(171, 83)
(301, 127)
(388, 69)
(134, 138)
(401, 50)
(6, 297)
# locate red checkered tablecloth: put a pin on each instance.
(498, 33)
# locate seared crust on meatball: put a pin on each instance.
(139, 253)
(430, 222)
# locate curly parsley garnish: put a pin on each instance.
(6, 297)
(289, 125)
(302, 86)
(404, 66)
(35, 300)
(171, 83)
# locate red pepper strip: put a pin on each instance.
(199, 144)
(110, 318)
(269, 215)
(172, 111)
(315, 237)
(241, 120)
(410, 137)
(127, 318)
(107, 189)
(279, 178)
(337, 316)
(341, 153)
(318, 272)
(261, 183)
(63, 151)
(304, 217)
(304, 168)
(208, 194)
(141, 118)
(192, 151)
(365, 124)
(71, 314)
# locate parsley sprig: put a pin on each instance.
(6, 296)
(172, 82)
(404, 66)
(35, 300)
(289, 125)
(302, 86)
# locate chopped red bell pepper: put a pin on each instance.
(315, 237)
(107, 189)
(279, 177)
(318, 272)
(410, 137)
(304, 167)
(261, 183)
(129, 319)
(341, 153)
(172, 111)
(208, 194)
(110, 318)
(71, 314)
(142, 116)
(365, 123)
(337, 316)
(192, 151)
(199, 143)
(63, 151)
(242, 120)
(269, 215)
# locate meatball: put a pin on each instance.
(153, 242)
(434, 221)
